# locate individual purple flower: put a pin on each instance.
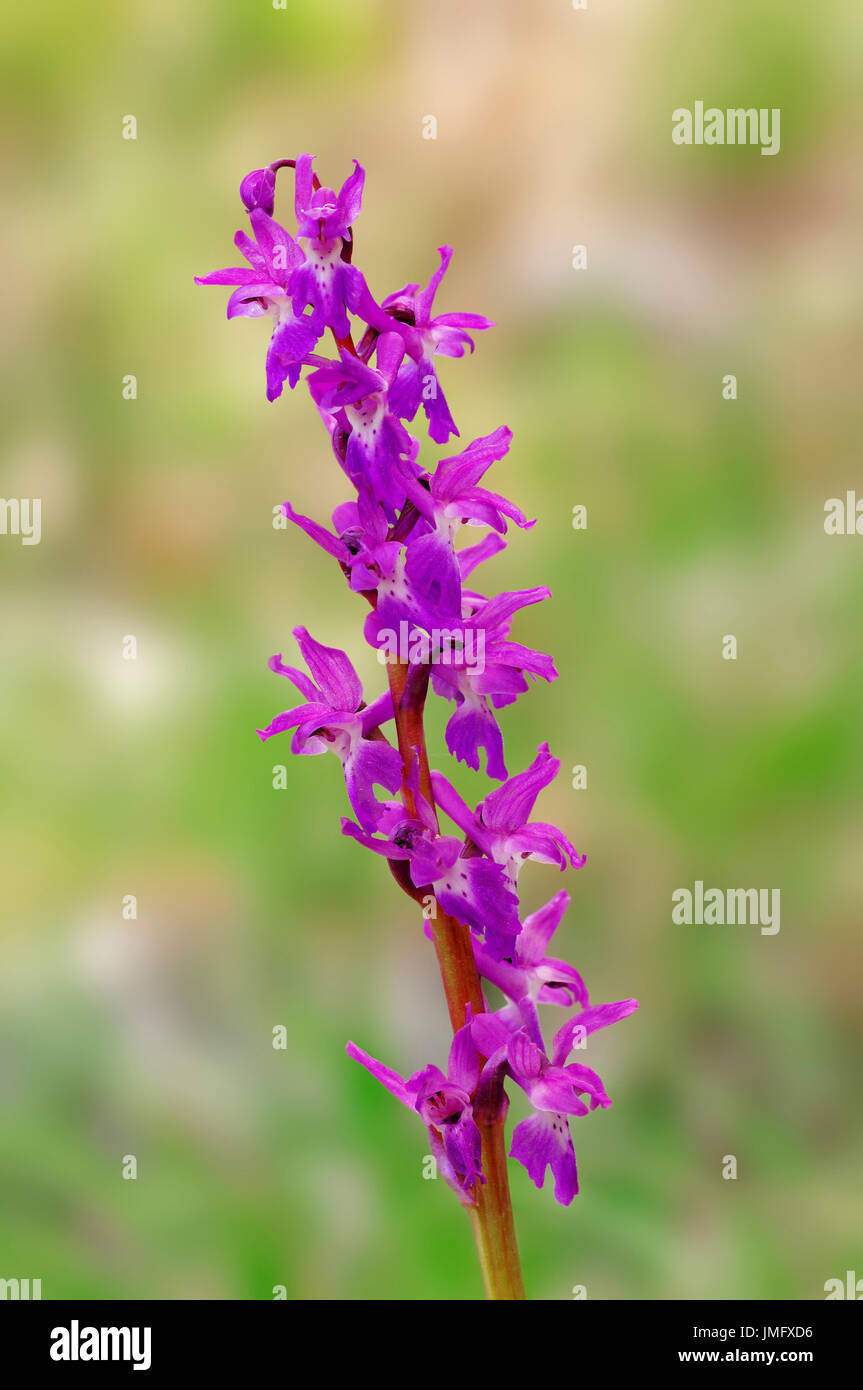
(406, 622)
(532, 977)
(443, 1103)
(326, 281)
(472, 659)
(417, 383)
(554, 1087)
(262, 287)
(379, 451)
(321, 212)
(500, 826)
(448, 499)
(335, 718)
(490, 674)
(429, 606)
(358, 541)
(470, 888)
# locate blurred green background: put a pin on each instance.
(152, 1037)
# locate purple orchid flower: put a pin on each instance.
(417, 383)
(410, 620)
(499, 826)
(447, 500)
(554, 1086)
(335, 718)
(443, 1103)
(472, 889)
(380, 452)
(263, 288)
(359, 541)
(433, 606)
(491, 674)
(532, 977)
(326, 281)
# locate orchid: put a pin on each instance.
(335, 717)
(478, 690)
(473, 890)
(377, 441)
(397, 540)
(529, 976)
(500, 827)
(554, 1086)
(359, 541)
(443, 1103)
(450, 498)
(424, 337)
(326, 280)
(264, 288)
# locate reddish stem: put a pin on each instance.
(491, 1216)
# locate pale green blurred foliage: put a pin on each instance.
(152, 1037)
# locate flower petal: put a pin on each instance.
(597, 1016)
(231, 275)
(473, 555)
(544, 1141)
(370, 763)
(508, 808)
(539, 927)
(464, 470)
(332, 671)
(463, 1064)
(425, 299)
(477, 893)
(472, 727)
(319, 534)
(315, 714)
(395, 1084)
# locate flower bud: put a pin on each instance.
(258, 190)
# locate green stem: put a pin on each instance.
(492, 1221)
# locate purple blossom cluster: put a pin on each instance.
(395, 540)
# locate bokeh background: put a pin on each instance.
(152, 1037)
